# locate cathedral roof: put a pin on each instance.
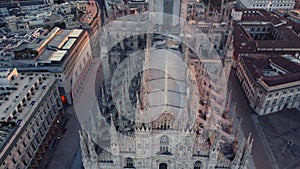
(166, 82)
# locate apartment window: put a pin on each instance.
(14, 161)
(289, 98)
(41, 133)
(51, 116)
(282, 99)
(29, 155)
(45, 128)
(33, 147)
(267, 103)
(24, 144)
(28, 136)
(275, 101)
(37, 140)
(48, 121)
(270, 95)
(24, 162)
(284, 92)
(19, 152)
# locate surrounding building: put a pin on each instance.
(21, 7)
(31, 108)
(271, 83)
(259, 31)
(90, 20)
(292, 17)
(178, 9)
(267, 5)
(26, 15)
(56, 52)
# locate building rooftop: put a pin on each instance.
(91, 12)
(20, 97)
(58, 47)
(272, 70)
(245, 43)
(29, 3)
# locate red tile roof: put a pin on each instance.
(257, 63)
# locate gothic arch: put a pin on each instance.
(198, 165)
(164, 144)
(129, 163)
(165, 121)
(163, 166)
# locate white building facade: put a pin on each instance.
(269, 95)
(268, 4)
(29, 120)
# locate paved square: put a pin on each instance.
(282, 131)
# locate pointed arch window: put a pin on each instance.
(198, 165)
(129, 163)
(163, 166)
(164, 144)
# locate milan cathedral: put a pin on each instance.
(163, 103)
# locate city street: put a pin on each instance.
(282, 132)
(61, 155)
(243, 111)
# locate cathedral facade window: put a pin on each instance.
(198, 165)
(129, 163)
(163, 166)
(165, 121)
(164, 144)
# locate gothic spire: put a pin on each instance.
(247, 153)
(112, 125)
(91, 149)
(239, 154)
(103, 99)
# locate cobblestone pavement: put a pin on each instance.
(282, 132)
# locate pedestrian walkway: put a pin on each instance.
(265, 142)
(61, 156)
(243, 111)
(281, 134)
